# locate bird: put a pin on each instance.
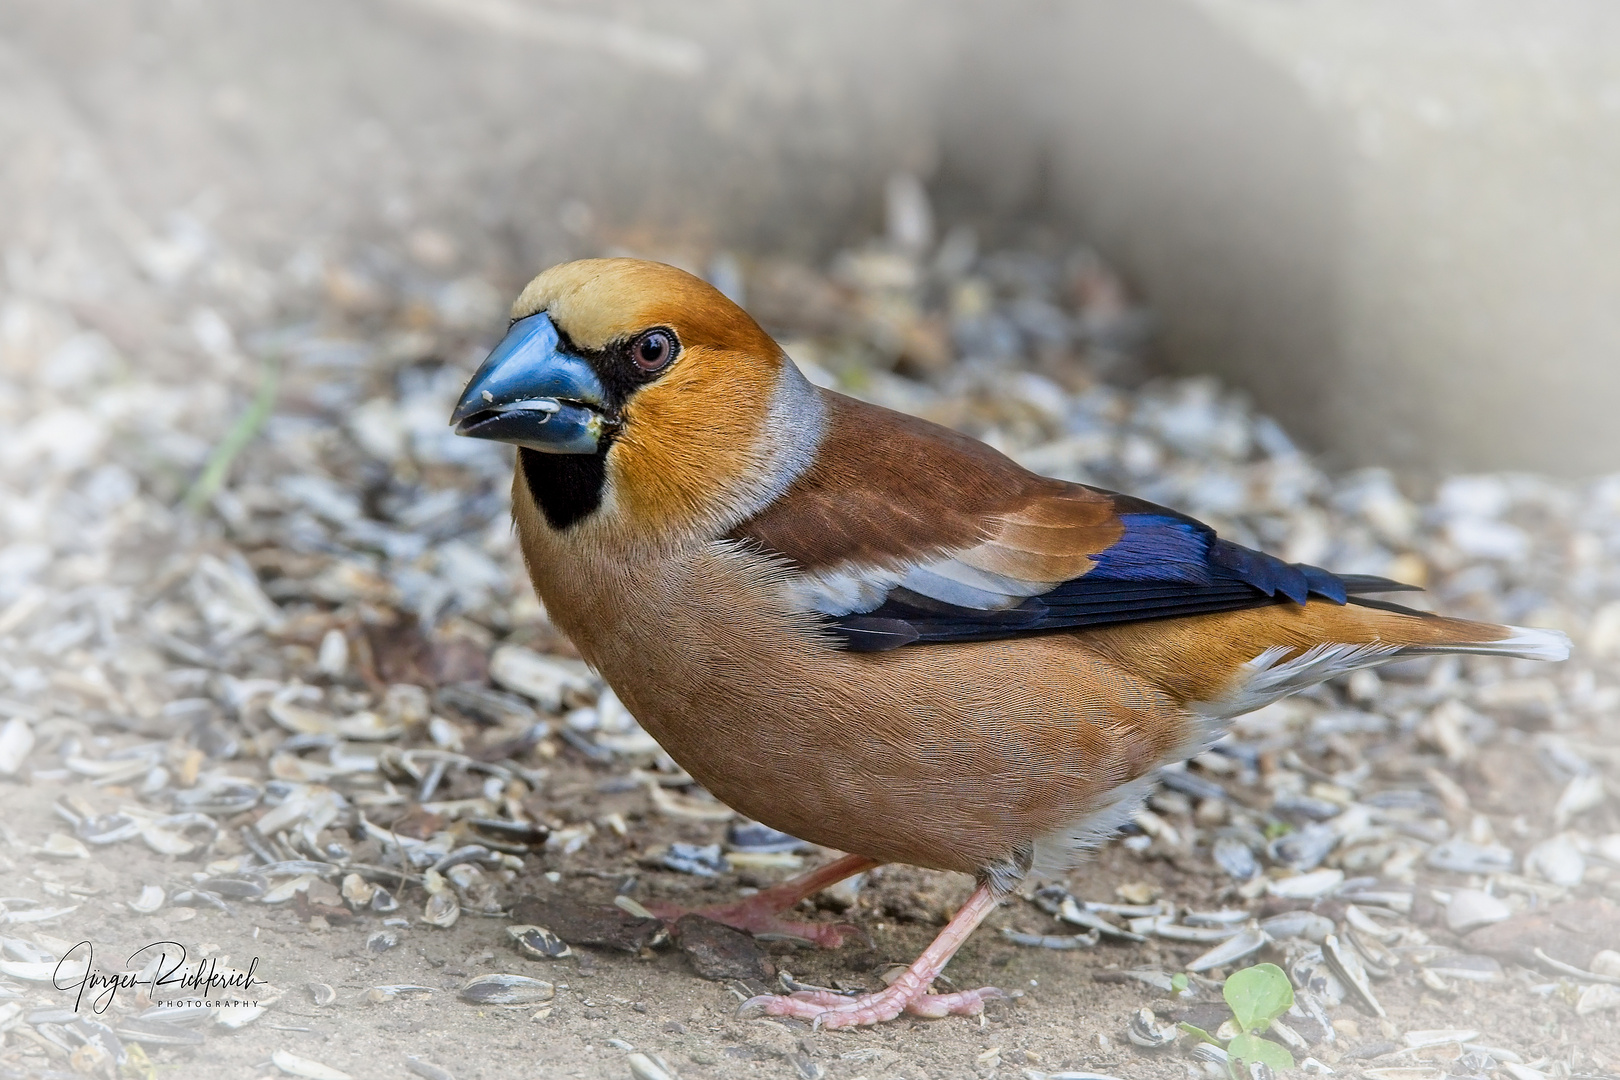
(876, 633)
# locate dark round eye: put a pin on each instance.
(653, 349)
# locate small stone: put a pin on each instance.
(16, 743)
(589, 924)
(1598, 997)
(1558, 861)
(1470, 909)
(1581, 794)
(718, 951)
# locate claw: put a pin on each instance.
(839, 1012)
(908, 993)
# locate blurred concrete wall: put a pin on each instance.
(1396, 221)
(1393, 220)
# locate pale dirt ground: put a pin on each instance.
(609, 1002)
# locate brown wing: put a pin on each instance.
(907, 531)
(889, 490)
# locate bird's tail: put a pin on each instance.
(1225, 664)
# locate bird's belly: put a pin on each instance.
(956, 757)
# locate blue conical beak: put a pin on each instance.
(531, 393)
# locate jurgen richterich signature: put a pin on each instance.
(169, 970)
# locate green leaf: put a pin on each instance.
(1258, 995)
(1178, 982)
(1199, 1032)
(1252, 1048)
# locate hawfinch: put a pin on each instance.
(875, 633)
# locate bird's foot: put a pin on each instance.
(830, 1010)
(909, 993)
(760, 915)
(762, 912)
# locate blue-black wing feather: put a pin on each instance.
(1165, 565)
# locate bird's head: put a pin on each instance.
(643, 400)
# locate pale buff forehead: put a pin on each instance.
(595, 301)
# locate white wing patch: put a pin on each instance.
(852, 589)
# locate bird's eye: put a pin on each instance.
(653, 350)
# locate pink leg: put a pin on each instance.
(761, 913)
(909, 993)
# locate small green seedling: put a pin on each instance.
(1256, 996)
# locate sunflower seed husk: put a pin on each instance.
(156, 1033)
(1464, 857)
(754, 837)
(1310, 973)
(1379, 961)
(43, 971)
(502, 989)
(1235, 948)
(1051, 941)
(1363, 923)
(1417, 1040)
(1344, 963)
(1467, 968)
(243, 887)
(379, 995)
(643, 1067)
(1300, 924)
(1144, 1029)
(16, 743)
(1235, 858)
(37, 915)
(1309, 886)
(63, 846)
(426, 1069)
(1070, 911)
(1305, 848)
(238, 1017)
(1224, 917)
(293, 1065)
(1166, 927)
(538, 943)
(442, 909)
(108, 829)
